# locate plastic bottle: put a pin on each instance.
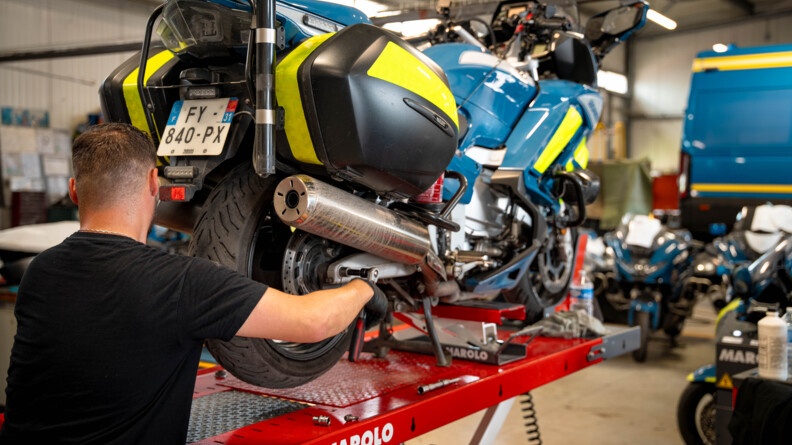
(582, 294)
(772, 355)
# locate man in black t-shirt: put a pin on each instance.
(110, 330)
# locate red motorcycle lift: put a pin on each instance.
(390, 400)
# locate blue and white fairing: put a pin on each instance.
(510, 118)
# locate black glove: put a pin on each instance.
(377, 306)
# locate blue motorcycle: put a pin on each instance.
(756, 230)
(764, 283)
(317, 148)
(652, 268)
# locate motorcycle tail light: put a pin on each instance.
(179, 193)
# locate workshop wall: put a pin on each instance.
(66, 87)
(660, 78)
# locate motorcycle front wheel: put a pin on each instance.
(547, 281)
(696, 414)
(238, 229)
(643, 319)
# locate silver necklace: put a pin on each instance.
(106, 232)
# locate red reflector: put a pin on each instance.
(433, 194)
(704, 207)
(177, 193)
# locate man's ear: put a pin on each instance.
(153, 182)
(73, 190)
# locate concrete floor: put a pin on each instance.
(617, 402)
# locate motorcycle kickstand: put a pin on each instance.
(443, 359)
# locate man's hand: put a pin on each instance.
(377, 306)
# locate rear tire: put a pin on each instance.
(643, 320)
(696, 413)
(238, 229)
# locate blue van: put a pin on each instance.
(737, 136)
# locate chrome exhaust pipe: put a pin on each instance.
(323, 210)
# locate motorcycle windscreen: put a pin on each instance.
(372, 110)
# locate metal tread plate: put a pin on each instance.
(225, 411)
(349, 383)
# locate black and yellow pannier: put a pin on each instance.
(360, 104)
(370, 108)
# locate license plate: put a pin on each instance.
(197, 127)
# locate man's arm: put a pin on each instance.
(306, 318)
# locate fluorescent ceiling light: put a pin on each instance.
(613, 82)
(412, 28)
(661, 20)
(369, 8)
(720, 48)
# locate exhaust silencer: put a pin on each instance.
(323, 210)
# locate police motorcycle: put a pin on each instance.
(756, 230)
(763, 233)
(516, 74)
(308, 147)
(652, 266)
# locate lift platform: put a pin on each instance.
(390, 400)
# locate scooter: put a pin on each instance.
(652, 264)
(317, 148)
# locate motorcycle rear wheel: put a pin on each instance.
(696, 413)
(238, 229)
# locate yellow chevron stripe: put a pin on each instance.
(560, 139)
(581, 156)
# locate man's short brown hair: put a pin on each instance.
(111, 161)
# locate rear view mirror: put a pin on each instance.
(619, 20)
(605, 30)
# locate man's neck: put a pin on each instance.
(115, 222)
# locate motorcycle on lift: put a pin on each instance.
(315, 148)
(753, 287)
(652, 265)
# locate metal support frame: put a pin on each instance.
(491, 423)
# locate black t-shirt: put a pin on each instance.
(108, 340)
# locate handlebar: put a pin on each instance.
(552, 23)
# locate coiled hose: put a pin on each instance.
(529, 419)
